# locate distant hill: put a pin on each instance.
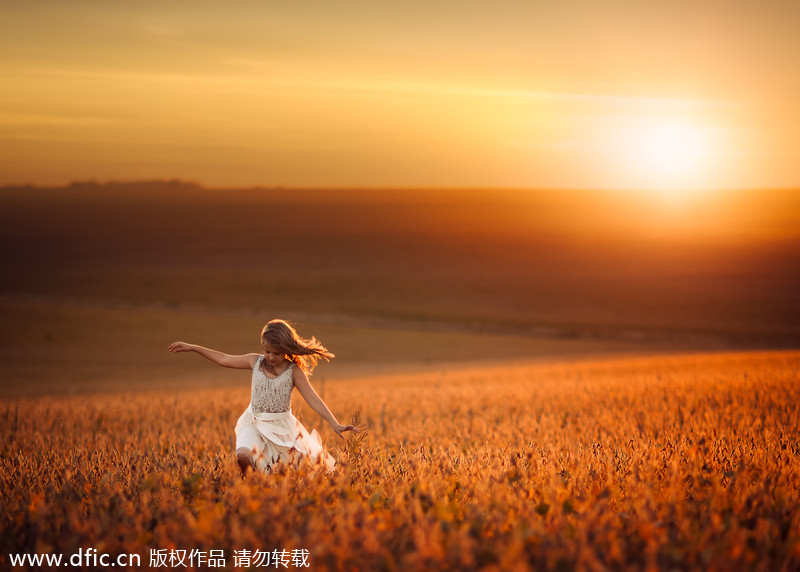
(572, 263)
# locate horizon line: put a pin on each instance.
(176, 181)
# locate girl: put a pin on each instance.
(267, 432)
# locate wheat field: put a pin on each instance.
(686, 462)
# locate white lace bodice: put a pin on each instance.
(271, 394)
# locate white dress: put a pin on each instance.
(267, 428)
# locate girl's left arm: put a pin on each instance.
(315, 402)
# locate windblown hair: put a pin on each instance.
(305, 353)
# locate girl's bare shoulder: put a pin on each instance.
(253, 359)
(298, 374)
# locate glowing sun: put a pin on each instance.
(673, 149)
(670, 156)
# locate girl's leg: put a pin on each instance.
(244, 459)
(248, 443)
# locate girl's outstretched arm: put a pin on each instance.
(246, 361)
(315, 402)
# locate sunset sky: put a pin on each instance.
(628, 94)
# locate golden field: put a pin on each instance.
(652, 463)
(547, 381)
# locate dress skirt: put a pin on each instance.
(274, 437)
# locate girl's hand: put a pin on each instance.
(175, 347)
(339, 428)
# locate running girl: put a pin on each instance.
(267, 432)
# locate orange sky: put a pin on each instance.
(615, 94)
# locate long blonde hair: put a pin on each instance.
(305, 353)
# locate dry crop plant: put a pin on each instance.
(659, 463)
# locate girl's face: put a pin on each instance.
(273, 356)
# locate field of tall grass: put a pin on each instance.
(648, 463)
